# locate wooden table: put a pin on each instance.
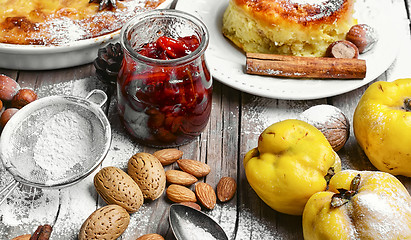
(237, 119)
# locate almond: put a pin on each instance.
(146, 170)
(206, 195)
(195, 168)
(168, 156)
(178, 193)
(192, 205)
(108, 222)
(151, 236)
(116, 187)
(226, 189)
(180, 177)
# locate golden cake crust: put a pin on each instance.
(298, 11)
(61, 22)
(290, 27)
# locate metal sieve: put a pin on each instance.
(55, 141)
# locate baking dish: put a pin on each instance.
(36, 57)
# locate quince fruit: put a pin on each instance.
(359, 205)
(382, 126)
(293, 161)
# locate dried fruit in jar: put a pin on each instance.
(165, 104)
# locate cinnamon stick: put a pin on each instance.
(305, 67)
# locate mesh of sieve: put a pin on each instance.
(55, 142)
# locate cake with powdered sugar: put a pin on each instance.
(290, 27)
(62, 22)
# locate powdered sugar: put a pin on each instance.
(320, 114)
(64, 143)
(325, 7)
(381, 215)
(195, 232)
(311, 2)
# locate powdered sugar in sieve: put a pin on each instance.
(57, 143)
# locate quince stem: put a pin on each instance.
(407, 104)
(330, 174)
(344, 196)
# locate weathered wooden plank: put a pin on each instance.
(65, 209)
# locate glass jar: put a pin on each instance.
(164, 87)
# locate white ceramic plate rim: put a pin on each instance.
(227, 62)
(86, 43)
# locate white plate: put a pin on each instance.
(31, 57)
(227, 62)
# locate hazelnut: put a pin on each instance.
(23, 97)
(342, 49)
(331, 121)
(8, 88)
(6, 115)
(363, 36)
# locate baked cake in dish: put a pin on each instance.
(291, 27)
(61, 22)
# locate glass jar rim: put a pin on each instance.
(165, 13)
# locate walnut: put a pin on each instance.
(331, 121)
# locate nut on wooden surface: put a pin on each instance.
(180, 177)
(192, 205)
(116, 187)
(331, 121)
(22, 237)
(6, 115)
(194, 167)
(206, 195)
(108, 222)
(148, 172)
(177, 193)
(23, 97)
(8, 88)
(151, 236)
(168, 156)
(226, 189)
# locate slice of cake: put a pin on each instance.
(291, 27)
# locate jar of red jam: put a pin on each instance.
(164, 87)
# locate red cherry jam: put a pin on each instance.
(165, 99)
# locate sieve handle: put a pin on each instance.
(7, 190)
(97, 96)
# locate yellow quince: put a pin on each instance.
(292, 162)
(359, 205)
(382, 126)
